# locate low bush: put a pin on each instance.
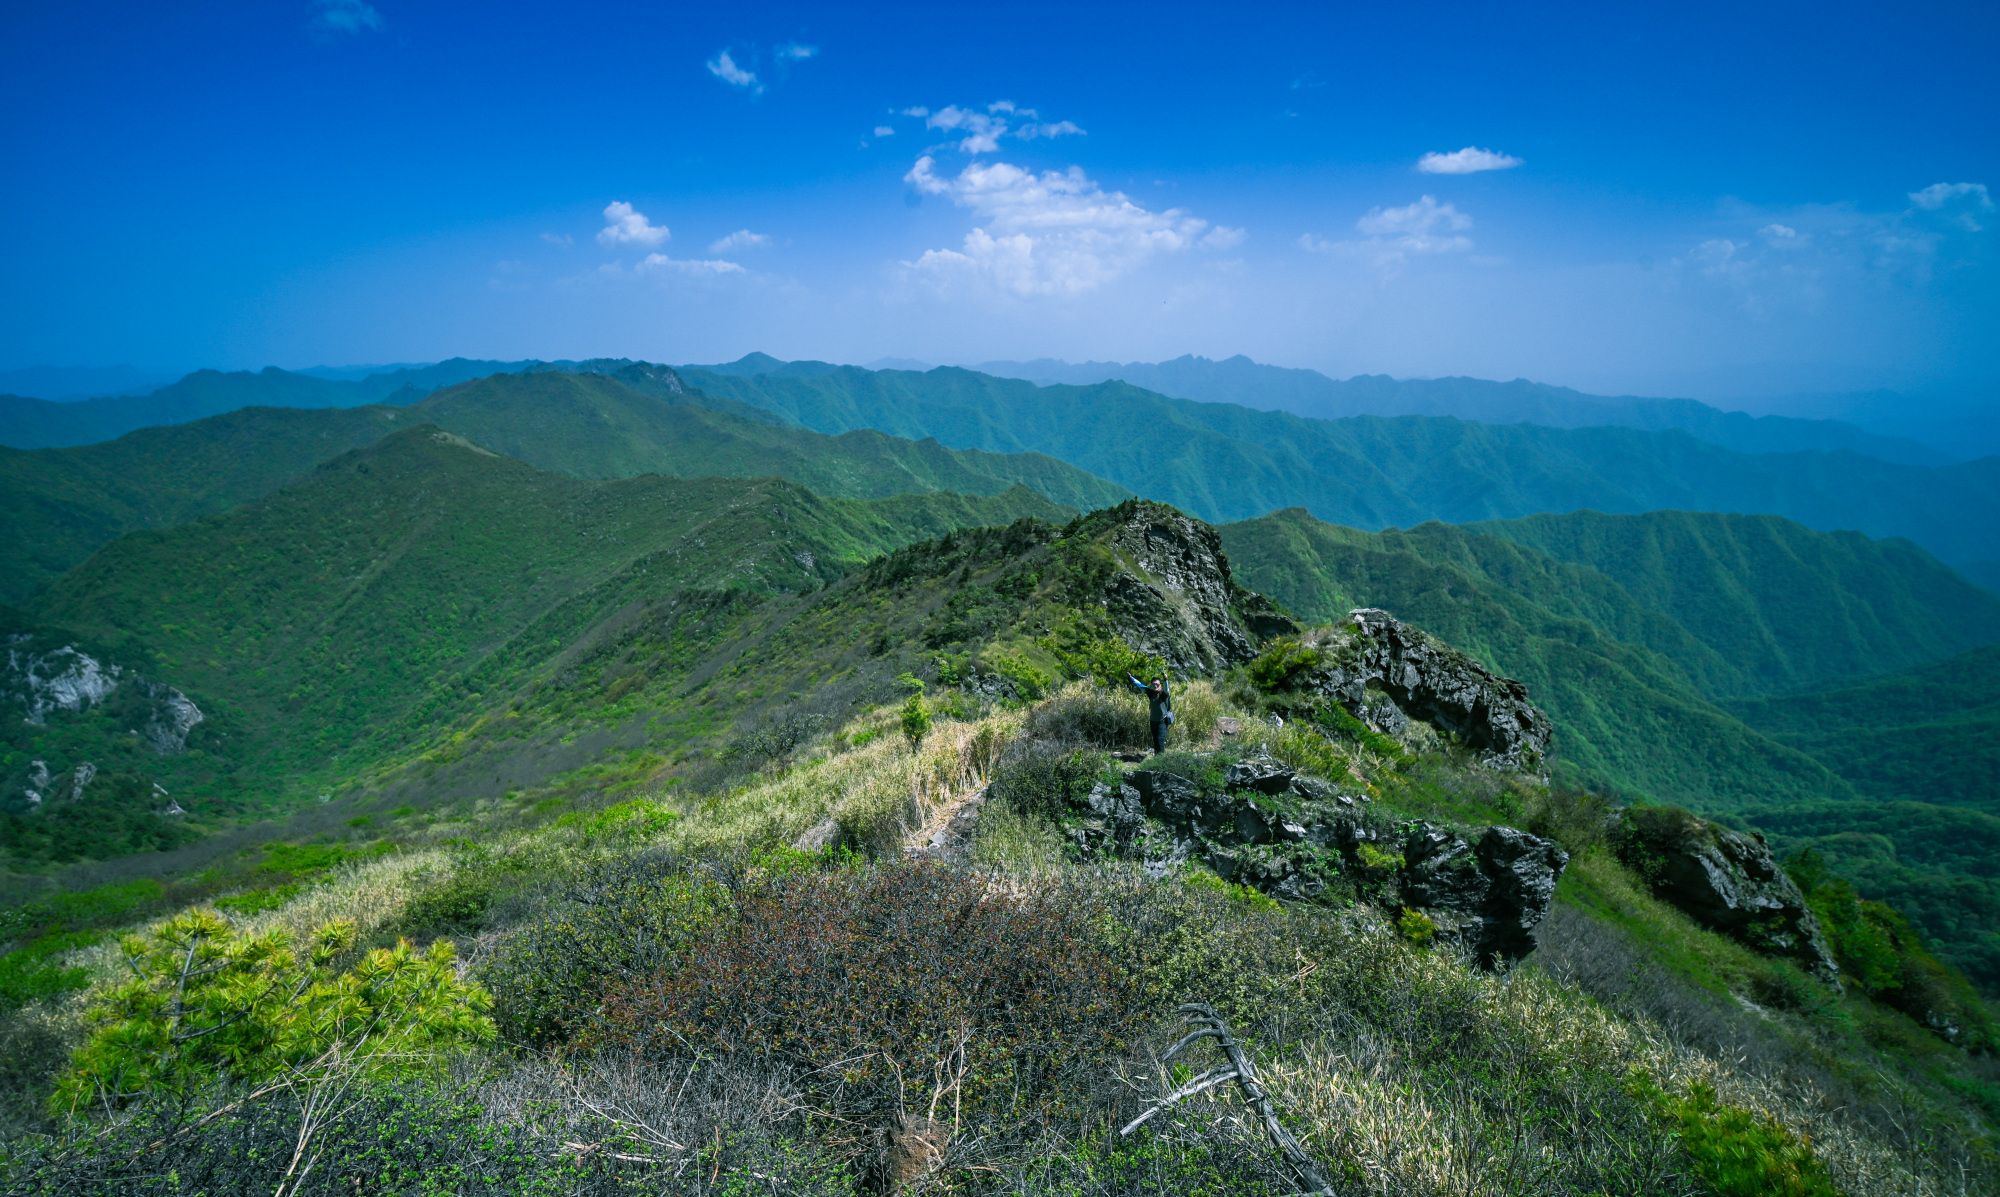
(893, 986)
(1284, 659)
(625, 922)
(1091, 717)
(1045, 779)
(206, 1004)
(1735, 1152)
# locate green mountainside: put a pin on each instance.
(334, 622)
(1241, 381)
(1224, 462)
(69, 502)
(1638, 665)
(852, 876)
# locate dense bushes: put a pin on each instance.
(893, 987)
(205, 1004)
(1089, 717)
(623, 923)
(1045, 779)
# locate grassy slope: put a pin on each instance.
(69, 502)
(1605, 668)
(1224, 462)
(329, 623)
(1786, 606)
(1893, 780)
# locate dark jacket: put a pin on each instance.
(1162, 702)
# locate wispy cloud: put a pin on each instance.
(693, 267)
(1391, 236)
(560, 240)
(1962, 199)
(739, 240)
(1468, 161)
(344, 18)
(723, 66)
(1051, 233)
(626, 225)
(796, 52)
(885, 131)
(981, 131)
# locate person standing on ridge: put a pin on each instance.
(1162, 704)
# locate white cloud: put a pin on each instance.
(336, 18)
(693, 267)
(796, 52)
(1052, 233)
(980, 132)
(564, 240)
(1468, 161)
(885, 131)
(1937, 195)
(724, 67)
(1393, 235)
(1425, 227)
(1964, 198)
(626, 225)
(740, 239)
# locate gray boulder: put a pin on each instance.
(1725, 880)
(1388, 673)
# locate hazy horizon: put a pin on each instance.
(1571, 196)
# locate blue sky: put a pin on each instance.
(1720, 201)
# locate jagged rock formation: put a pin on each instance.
(1390, 674)
(1726, 880)
(1259, 823)
(42, 682)
(1177, 599)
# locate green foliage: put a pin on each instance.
(1045, 778)
(549, 974)
(206, 1004)
(1416, 927)
(1030, 681)
(914, 717)
(1281, 661)
(890, 984)
(1248, 895)
(952, 668)
(1375, 860)
(1737, 1152)
(1091, 718)
(1082, 643)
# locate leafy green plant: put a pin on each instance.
(206, 1003)
(1736, 1152)
(1416, 926)
(1285, 658)
(915, 715)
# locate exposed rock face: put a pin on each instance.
(1488, 895)
(1301, 839)
(43, 682)
(1391, 673)
(1726, 880)
(1183, 604)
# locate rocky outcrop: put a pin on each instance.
(1389, 674)
(1259, 823)
(40, 682)
(1180, 601)
(1725, 880)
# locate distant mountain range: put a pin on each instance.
(1227, 462)
(66, 503)
(1310, 393)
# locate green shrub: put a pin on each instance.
(1028, 680)
(1248, 895)
(1283, 660)
(1083, 643)
(1091, 718)
(1416, 927)
(1045, 780)
(888, 985)
(630, 919)
(207, 1004)
(1735, 1152)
